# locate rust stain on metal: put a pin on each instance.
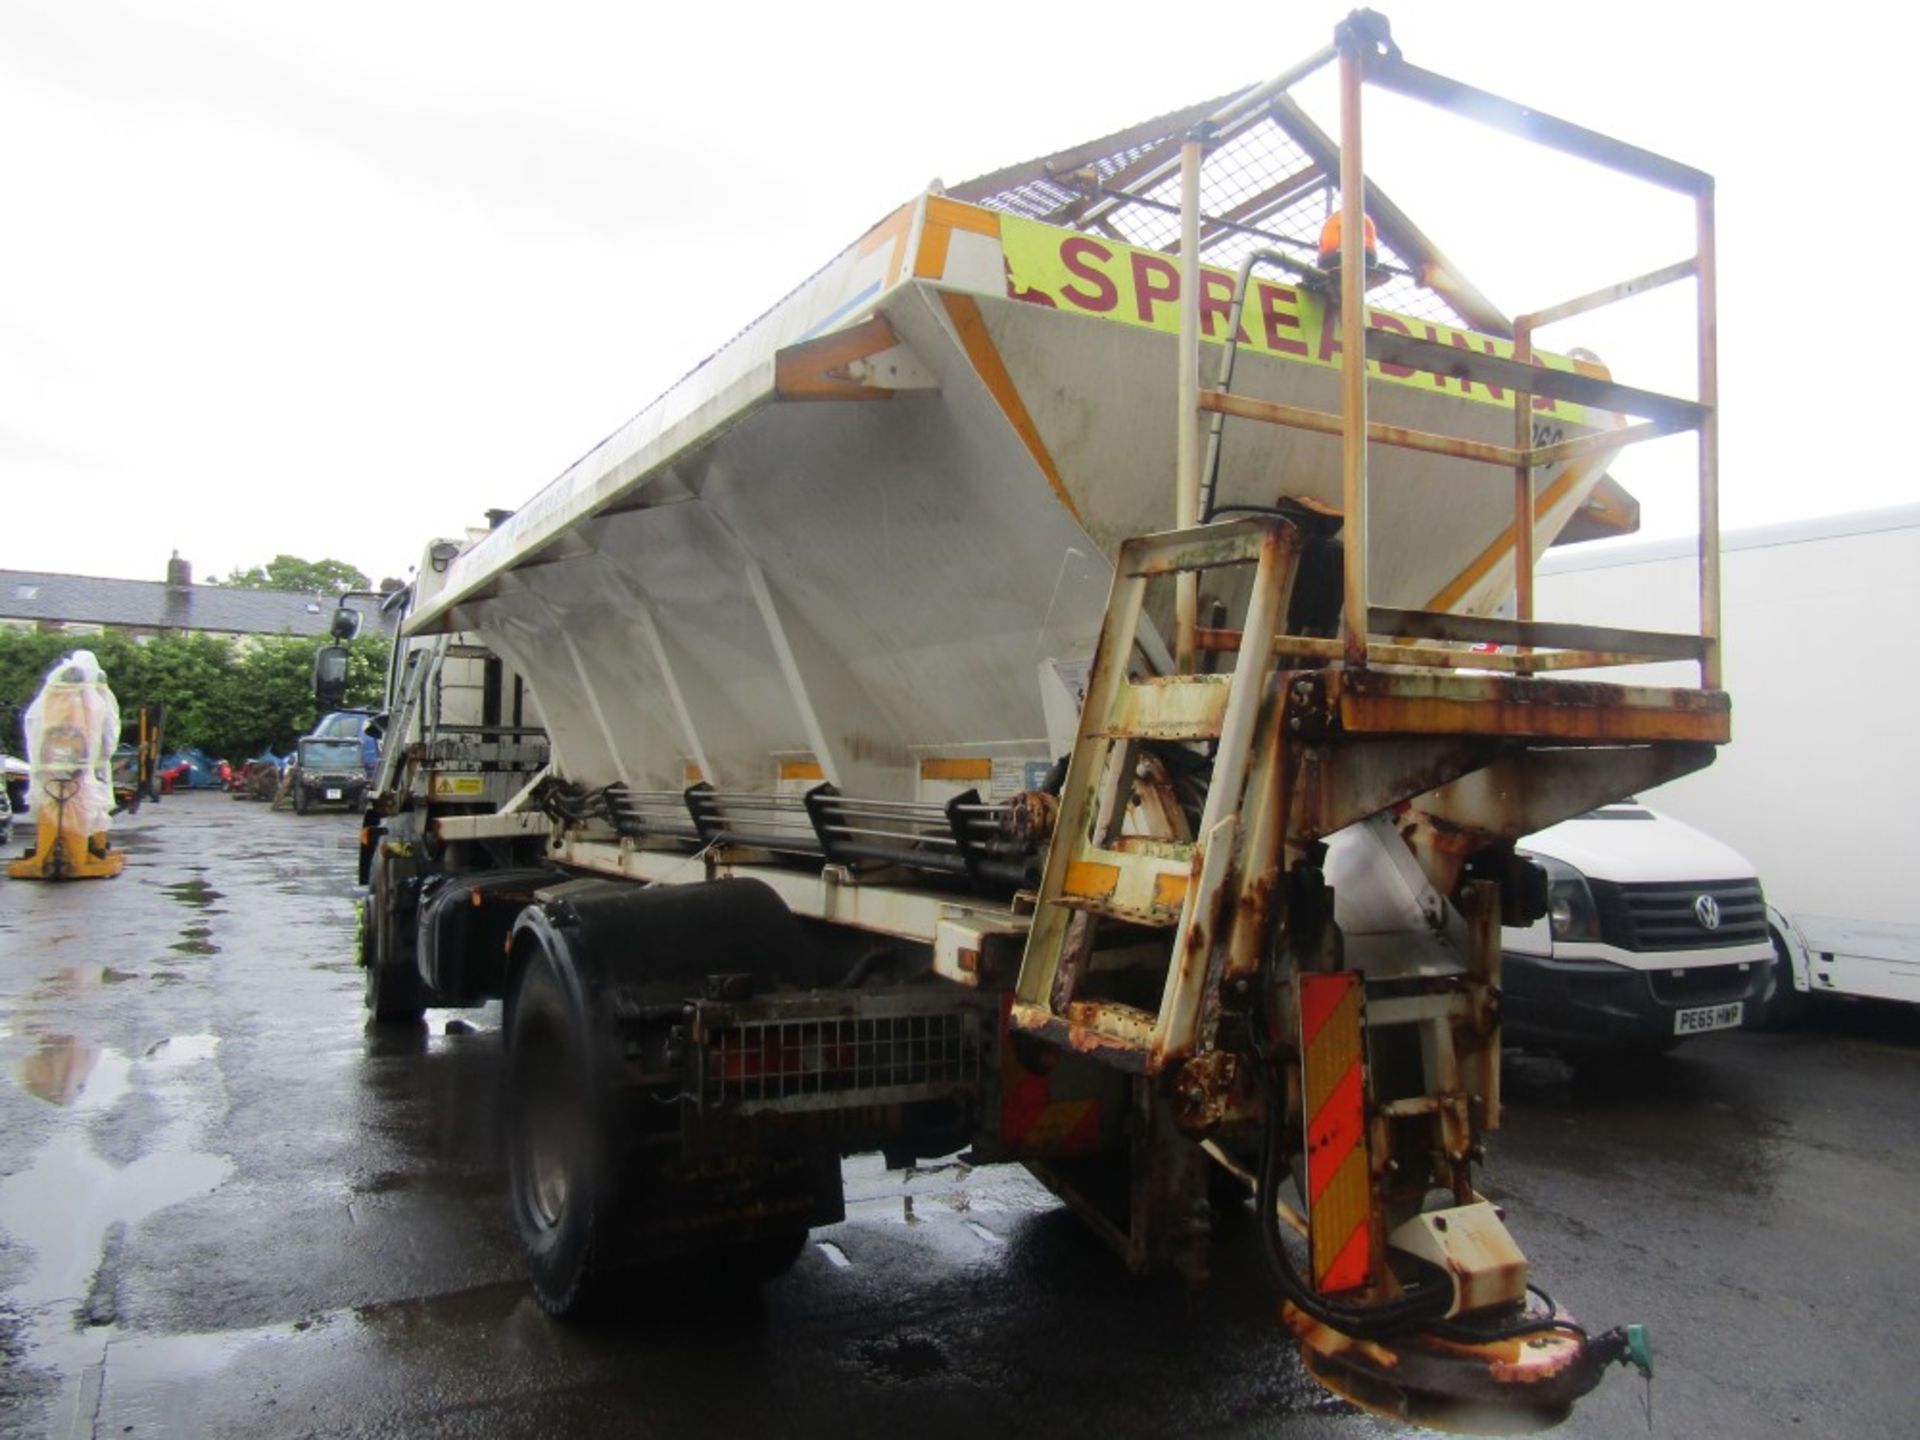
(1322, 422)
(1442, 847)
(1253, 908)
(1373, 702)
(1029, 818)
(1105, 1030)
(1208, 1090)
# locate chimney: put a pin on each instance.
(179, 573)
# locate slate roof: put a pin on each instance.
(155, 605)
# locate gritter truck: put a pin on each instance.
(946, 719)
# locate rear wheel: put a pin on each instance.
(755, 1262)
(560, 1170)
(598, 1190)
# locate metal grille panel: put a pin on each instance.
(1259, 188)
(1706, 985)
(831, 1063)
(1662, 916)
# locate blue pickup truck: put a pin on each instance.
(350, 725)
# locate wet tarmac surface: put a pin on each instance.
(229, 1208)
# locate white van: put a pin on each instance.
(1817, 784)
(1654, 933)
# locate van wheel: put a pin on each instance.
(299, 799)
(1783, 1006)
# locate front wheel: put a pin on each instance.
(1782, 1006)
(300, 803)
(396, 995)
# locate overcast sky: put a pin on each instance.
(334, 279)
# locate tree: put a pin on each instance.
(290, 572)
(233, 701)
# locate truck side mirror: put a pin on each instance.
(345, 624)
(330, 676)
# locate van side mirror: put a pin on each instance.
(330, 677)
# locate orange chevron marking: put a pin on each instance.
(1335, 1131)
(1334, 1101)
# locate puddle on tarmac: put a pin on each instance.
(195, 892)
(66, 1070)
(73, 980)
(195, 940)
(181, 1050)
(63, 1204)
(67, 1204)
(164, 1359)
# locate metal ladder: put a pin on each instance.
(1094, 871)
(393, 752)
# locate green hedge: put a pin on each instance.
(232, 700)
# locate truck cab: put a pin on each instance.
(1654, 933)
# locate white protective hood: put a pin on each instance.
(72, 727)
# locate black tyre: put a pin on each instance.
(560, 1170)
(758, 1261)
(1783, 1006)
(300, 799)
(396, 995)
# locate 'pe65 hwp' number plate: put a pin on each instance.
(335, 795)
(1708, 1017)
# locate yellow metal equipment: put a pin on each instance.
(72, 728)
(63, 849)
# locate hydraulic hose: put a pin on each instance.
(1513, 1329)
(1423, 1307)
(1420, 1308)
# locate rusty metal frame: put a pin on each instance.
(1366, 56)
(1090, 872)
